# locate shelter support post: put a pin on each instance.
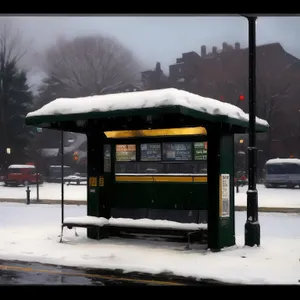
(220, 171)
(252, 226)
(98, 191)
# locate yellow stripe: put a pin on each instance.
(107, 277)
(200, 179)
(135, 178)
(161, 178)
(156, 132)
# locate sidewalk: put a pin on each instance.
(292, 210)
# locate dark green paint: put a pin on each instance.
(161, 195)
(221, 232)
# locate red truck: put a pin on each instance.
(22, 175)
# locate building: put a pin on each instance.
(222, 73)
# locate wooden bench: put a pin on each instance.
(139, 227)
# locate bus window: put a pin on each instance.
(292, 168)
(275, 169)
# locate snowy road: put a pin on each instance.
(23, 273)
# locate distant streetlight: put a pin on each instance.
(8, 151)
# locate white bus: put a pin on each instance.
(282, 172)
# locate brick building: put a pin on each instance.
(223, 74)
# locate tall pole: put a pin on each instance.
(252, 226)
(62, 175)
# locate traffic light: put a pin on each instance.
(242, 97)
(75, 156)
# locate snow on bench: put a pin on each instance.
(126, 222)
(149, 223)
(85, 220)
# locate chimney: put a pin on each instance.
(224, 46)
(158, 67)
(203, 50)
(214, 50)
(237, 46)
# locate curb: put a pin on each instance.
(45, 201)
(286, 210)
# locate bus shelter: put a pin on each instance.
(159, 162)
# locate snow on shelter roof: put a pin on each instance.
(111, 105)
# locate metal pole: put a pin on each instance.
(37, 182)
(62, 175)
(252, 226)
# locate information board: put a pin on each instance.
(224, 195)
(107, 158)
(126, 152)
(151, 152)
(200, 150)
(177, 151)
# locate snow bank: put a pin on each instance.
(30, 233)
(142, 99)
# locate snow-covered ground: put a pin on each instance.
(30, 233)
(47, 191)
(279, 197)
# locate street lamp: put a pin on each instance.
(252, 226)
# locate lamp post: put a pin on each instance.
(239, 165)
(252, 226)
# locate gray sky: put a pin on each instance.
(163, 38)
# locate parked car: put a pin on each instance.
(75, 178)
(22, 175)
(55, 173)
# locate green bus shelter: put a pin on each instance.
(160, 162)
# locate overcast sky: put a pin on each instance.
(163, 38)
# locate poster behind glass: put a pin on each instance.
(126, 152)
(177, 151)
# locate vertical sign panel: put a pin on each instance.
(224, 195)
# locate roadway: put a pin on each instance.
(26, 273)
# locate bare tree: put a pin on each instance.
(12, 52)
(90, 65)
(13, 45)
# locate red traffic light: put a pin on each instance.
(242, 97)
(75, 156)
